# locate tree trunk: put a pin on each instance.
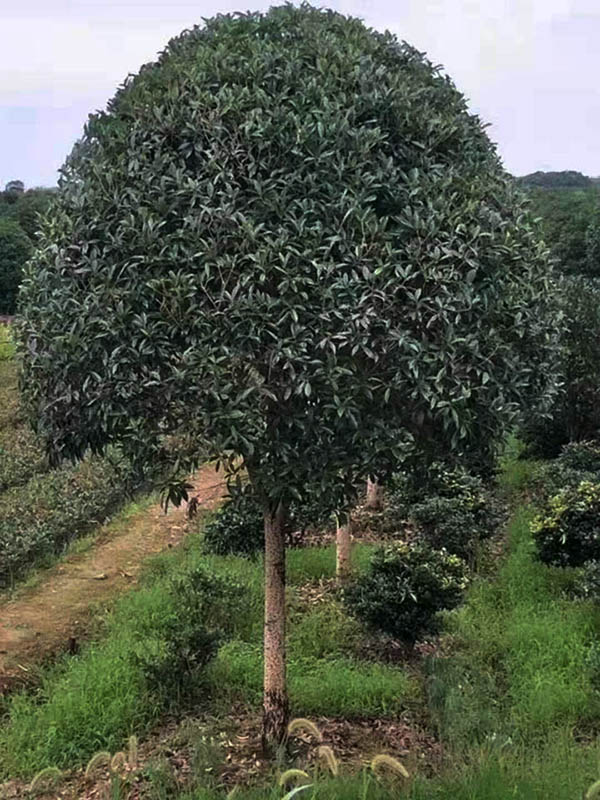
(275, 703)
(374, 495)
(343, 540)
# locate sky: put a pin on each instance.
(529, 68)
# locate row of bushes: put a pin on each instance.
(42, 517)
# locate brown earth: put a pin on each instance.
(53, 614)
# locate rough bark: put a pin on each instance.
(343, 541)
(275, 703)
(374, 495)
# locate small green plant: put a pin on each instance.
(405, 588)
(203, 606)
(567, 529)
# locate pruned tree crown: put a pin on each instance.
(287, 238)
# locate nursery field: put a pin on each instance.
(500, 701)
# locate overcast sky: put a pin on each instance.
(528, 67)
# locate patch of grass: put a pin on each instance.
(521, 668)
(321, 631)
(334, 686)
(312, 563)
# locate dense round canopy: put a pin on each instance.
(288, 238)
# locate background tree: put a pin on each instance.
(566, 215)
(13, 190)
(575, 413)
(288, 241)
(15, 249)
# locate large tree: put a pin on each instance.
(286, 241)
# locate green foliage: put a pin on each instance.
(566, 530)
(22, 455)
(592, 246)
(203, 606)
(48, 512)
(238, 527)
(587, 585)
(566, 215)
(287, 237)
(405, 588)
(336, 685)
(575, 415)
(15, 249)
(584, 456)
(556, 180)
(448, 522)
(449, 506)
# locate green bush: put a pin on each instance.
(583, 456)
(200, 619)
(42, 517)
(451, 507)
(405, 587)
(22, 455)
(447, 522)
(587, 583)
(567, 529)
(238, 527)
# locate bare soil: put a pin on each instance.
(55, 613)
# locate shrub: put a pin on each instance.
(447, 522)
(583, 456)
(450, 507)
(587, 583)
(238, 527)
(202, 608)
(567, 530)
(405, 587)
(22, 454)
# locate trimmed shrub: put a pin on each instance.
(405, 587)
(567, 530)
(237, 528)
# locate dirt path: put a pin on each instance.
(41, 620)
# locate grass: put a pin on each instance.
(96, 700)
(514, 702)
